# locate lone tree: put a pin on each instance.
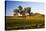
(19, 10)
(27, 10)
(16, 12)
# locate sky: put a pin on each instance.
(28, 0)
(36, 7)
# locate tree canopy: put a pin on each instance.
(25, 10)
(20, 7)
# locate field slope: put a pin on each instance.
(24, 22)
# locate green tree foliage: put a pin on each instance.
(20, 7)
(28, 9)
(15, 12)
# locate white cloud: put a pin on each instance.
(38, 11)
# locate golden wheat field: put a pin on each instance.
(24, 22)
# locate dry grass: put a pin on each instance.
(24, 22)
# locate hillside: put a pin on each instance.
(25, 22)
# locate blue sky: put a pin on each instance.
(36, 7)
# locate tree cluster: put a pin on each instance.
(22, 12)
